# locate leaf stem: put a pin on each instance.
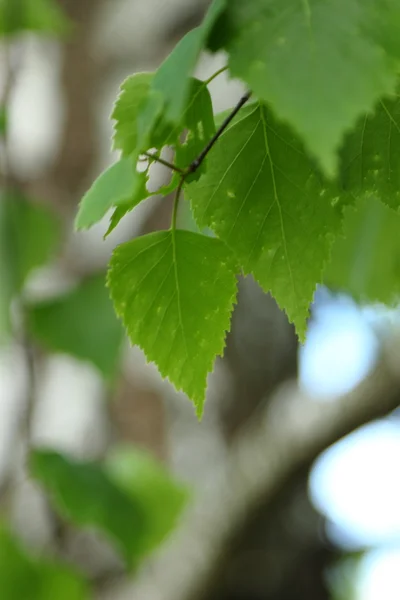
(176, 204)
(194, 165)
(200, 158)
(221, 70)
(163, 162)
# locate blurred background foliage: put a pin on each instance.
(100, 460)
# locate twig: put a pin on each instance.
(163, 162)
(196, 163)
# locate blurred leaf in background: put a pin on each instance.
(366, 258)
(130, 498)
(146, 482)
(3, 121)
(29, 237)
(22, 577)
(81, 323)
(342, 576)
(43, 16)
(120, 186)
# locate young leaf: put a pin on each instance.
(119, 185)
(32, 15)
(366, 258)
(197, 117)
(199, 121)
(81, 323)
(22, 576)
(174, 291)
(134, 91)
(129, 498)
(370, 157)
(121, 211)
(170, 87)
(172, 79)
(262, 195)
(319, 65)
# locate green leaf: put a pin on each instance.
(124, 209)
(199, 120)
(84, 494)
(244, 112)
(133, 92)
(196, 116)
(44, 16)
(126, 498)
(172, 79)
(119, 185)
(33, 233)
(370, 157)
(170, 87)
(318, 64)
(262, 195)
(22, 576)
(160, 497)
(174, 291)
(81, 323)
(29, 236)
(366, 258)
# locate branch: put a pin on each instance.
(289, 435)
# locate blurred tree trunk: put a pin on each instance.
(279, 553)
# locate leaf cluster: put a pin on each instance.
(291, 189)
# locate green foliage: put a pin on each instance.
(320, 133)
(119, 185)
(123, 186)
(302, 187)
(371, 155)
(43, 16)
(134, 91)
(29, 237)
(162, 499)
(319, 65)
(171, 84)
(22, 576)
(278, 220)
(174, 291)
(366, 258)
(129, 498)
(81, 323)
(3, 121)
